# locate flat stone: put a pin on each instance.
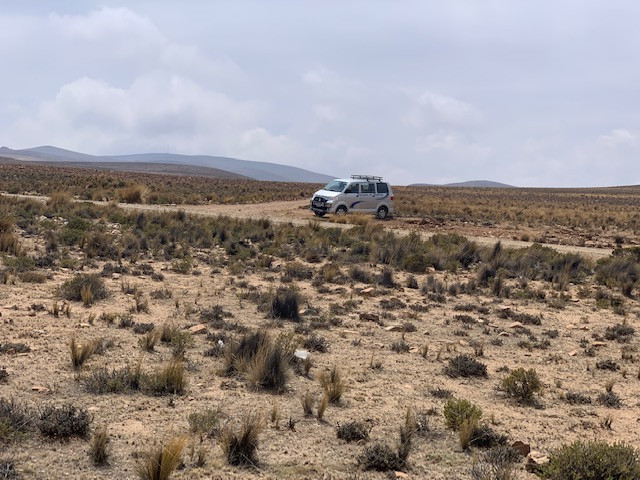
(201, 327)
(464, 343)
(84, 325)
(503, 334)
(599, 344)
(39, 389)
(521, 447)
(516, 325)
(366, 291)
(395, 328)
(301, 354)
(401, 475)
(573, 353)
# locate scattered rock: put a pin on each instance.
(522, 448)
(516, 325)
(371, 317)
(503, 334)
(396, 327)
(573, 353)
(39, 389)
(301, 354)
(401, 475)
(200, 328)
(366, 291)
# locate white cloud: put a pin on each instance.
(447, 110)
(440, 141)
(106, 23)
(617, 137)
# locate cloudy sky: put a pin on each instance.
(532, 93)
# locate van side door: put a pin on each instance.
(367, 197)
(352, 196)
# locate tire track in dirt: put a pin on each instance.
(296, 212)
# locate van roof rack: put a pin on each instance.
(366, 177)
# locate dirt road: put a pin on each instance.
(297, 213)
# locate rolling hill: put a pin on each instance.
(219, 167)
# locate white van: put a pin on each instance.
(360, 193)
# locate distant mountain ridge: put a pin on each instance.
(470, 183)
(241, 168)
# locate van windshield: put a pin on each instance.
(335, 186)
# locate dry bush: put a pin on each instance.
(465, 366)
(162, 461)
(498, 463)
(208, 422)
(103, 380)
(63, 421)
(167, 380)
(240, 446)
(15, 419)
(382, 458)
(149, 340)
(307, 401)
(285, 304)
(91, 285)
(9, 243)
(132, 194)
(98, 447)
(263, 362)
(353, 431)
(81, 353)
(59, 200)
(332, 384)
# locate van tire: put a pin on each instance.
(319, 214)
(382, 213)
(341, 210)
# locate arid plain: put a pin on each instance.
(254, 341)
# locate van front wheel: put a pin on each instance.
(341, 210)
(382, 213)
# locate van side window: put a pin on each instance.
(353, 188)
(366, 188)
(382, 187)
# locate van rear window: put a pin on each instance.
(382, 187)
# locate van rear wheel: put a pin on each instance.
(341, 210)
(382, 213)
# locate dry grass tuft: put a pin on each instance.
(240, 447)
(161, 462)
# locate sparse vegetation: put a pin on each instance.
(465, 366)
(593, 460)
(522, 385)
(240, 445)
(63, 421)
(160, 463)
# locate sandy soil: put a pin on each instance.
(381, 396)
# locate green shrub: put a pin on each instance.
(457, 411)
(615, 272)
(465, 366)
(522, 385)
(353, 431)
(64, 421)
(77, 287)
(595, 460)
